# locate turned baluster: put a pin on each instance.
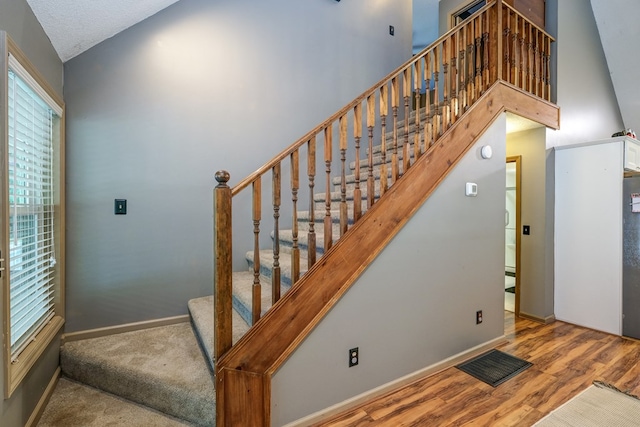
(417, 87)
(523, 70)
(311, 171)
(406, 148)
(464, 66)
(455, 102)
(384, 110)
(371, 122)
(536, 66)
(514, 49)
(428, 133)
(328, 141)
(478, 62)
(547, 70)
(471, 59)
(222, 294)
(395, 102)
(436, 94)
(485, 50)
(257, 216)
(343, 176)
(507, 52)
(357, 136)
(295, 186)
(530, 60)
(275, 271)
(445, 90)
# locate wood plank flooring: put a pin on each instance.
(566, 360)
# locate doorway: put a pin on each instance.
(513, 210)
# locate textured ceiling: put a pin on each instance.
(74, 26)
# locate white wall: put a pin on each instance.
(416, 304)
(155, 111)
(588, 223)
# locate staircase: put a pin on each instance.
(389, 160)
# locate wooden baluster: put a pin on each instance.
(256, 302)
(471, 60)
(222, 292)
(538, 75)
(311, 171)
(462, 85)
(395, 102)
(514, 48)
(523, 70)
(547, 70)
(295, 186)
(417, 87)
(436, 94)
(371, 122)
(478, 58)
(328, 149)
(455, 102)
(530, 60)
(344, 219)
(486, 49)
(357, 135)
(384, 110)
(445, 84)
(275, 271)
(406, 149)
(506, 46)
(428, 112)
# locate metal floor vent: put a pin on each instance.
(494, 367)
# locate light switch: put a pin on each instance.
(120, 207)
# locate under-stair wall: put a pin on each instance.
(415, 305)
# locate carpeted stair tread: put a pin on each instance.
(266, 265)
(201, 311)
(75, 404)
(162, 368)
(243, 291)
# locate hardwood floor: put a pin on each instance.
(566, 360)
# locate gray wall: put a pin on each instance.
(21, 25)
(416, 303)
(425, 23)
(153, 112)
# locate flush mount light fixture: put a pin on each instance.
(486, 152)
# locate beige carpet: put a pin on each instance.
(77, 405)
(597, 406)
(163, 368)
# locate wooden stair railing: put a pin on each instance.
(497, 44)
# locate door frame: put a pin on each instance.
(518, 161)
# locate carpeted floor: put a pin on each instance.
(76, 405)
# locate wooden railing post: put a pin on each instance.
(222, 290)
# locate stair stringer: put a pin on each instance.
(243, 375)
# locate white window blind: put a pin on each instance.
(31, 201)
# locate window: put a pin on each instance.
(467, 11)
(32, 216)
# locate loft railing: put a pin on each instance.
(448, 77)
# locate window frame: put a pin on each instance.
(16, 371)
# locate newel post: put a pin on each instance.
(496, 38)
(222, 291)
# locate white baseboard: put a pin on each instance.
(44, 399)
(546, 320)
(367, 396)
(118, 329)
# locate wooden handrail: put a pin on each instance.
(452, 75)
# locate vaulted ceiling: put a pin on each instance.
(76, 25)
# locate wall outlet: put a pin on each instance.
(478, 317)
(354, 357)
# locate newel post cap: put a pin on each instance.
(222, 177)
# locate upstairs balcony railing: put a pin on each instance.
(379, 135)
